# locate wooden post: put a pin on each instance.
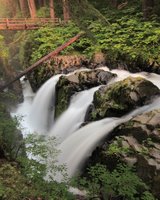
(23, 7)
(66, 12)
(7, 23)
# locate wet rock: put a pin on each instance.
(121, 97)
(67, 86)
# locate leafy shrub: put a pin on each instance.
(3, 49)
(41, 169)
(11, 142)
(121, 182)
(129, 39)
(46, 39)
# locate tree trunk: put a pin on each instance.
(23, 7)
(11, 6)
(44, 3)
(32, 8)
(51, 6)
(114, 3)
(147, 7)
(40, 3)
(66, 13)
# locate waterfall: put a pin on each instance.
(42, 113)
(41, 116)
(75, 148)
(21, 112)
(74, 116)
(78, 147)
(75, 145)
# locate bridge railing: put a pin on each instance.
(9, 23)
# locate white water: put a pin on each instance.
(21, 112)
(41, 117)
(76, 147)
(79, 146)
(42, 113)
(74, 116)
(122, 74)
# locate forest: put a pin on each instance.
(83, 123)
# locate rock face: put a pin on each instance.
(59, 64)
(137, 143)
(69, 85)
(121, 97)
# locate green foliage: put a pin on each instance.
(148, 142)
(129, 39)
(43, 12)
(121, 182)
(37, 168)
(3, 50)
(26, 179)
(147, 196)
(146, 146)
(48, 39)
(11, 143)
(117, 148)
(39, 149)
(126, 38)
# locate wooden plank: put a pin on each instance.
(20, 23)
(43, 59)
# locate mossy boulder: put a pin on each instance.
(121, 97)
(67, 86)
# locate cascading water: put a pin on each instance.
(74, 116)
(76, 147)
(41, 116)
(23, 109)
(42, 112)
(84, 140)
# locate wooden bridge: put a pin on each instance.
(27, 23)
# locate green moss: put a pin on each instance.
(117, 99)
(64, 90)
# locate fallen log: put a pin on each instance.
(43, 59)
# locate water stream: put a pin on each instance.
(76, 145)
(42, 112)
(21, 112)
(74, 116)
(85, 140)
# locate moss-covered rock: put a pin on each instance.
(82, 80)
(121, 97)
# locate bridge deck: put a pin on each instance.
(26, 23)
